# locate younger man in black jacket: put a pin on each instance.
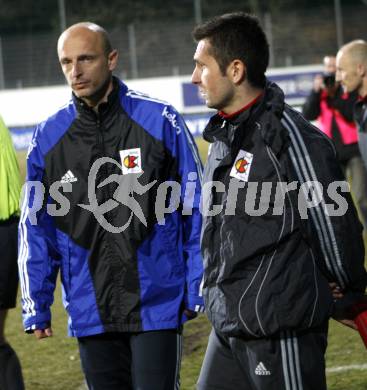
(279, 224)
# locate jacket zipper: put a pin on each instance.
(106, 191)
(276, 165)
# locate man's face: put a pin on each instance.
(347, 72)
(86, 66)
(329, 64)
(216, 88)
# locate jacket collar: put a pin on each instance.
(236, 114)
(266, 114)
(104, 109)
(362, 99)
(360, 112)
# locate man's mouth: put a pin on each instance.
(79, 84)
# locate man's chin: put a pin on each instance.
(81, 93)
(345, 89)
(210, 104)
(348, 89)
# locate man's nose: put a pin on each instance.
(76, 69)
(195, 77)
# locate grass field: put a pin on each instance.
(53, 364)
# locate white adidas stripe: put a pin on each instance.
(316, 217)
(306, 172)
(290, 361)
(142, 96)
(22, 249)
(325, 215)
(28, 303)
(24, 280)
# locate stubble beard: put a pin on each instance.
(97, 96)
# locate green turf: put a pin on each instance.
(53, 364)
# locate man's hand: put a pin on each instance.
(190, 314)
(345, 310)
(318, 83)
(336, 291)
(348, 323)
(43, 333)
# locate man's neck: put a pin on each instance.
(246, 107)
(244, 97)
(100, 97)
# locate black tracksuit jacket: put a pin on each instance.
(268, 271)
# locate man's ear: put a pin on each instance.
(362, 70)
(237, 71)
(112, 59)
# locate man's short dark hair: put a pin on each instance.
(237, 36)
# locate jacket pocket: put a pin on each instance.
(287, 291)
(256, 306)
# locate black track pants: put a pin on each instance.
(11, 377)
(139, 361)
(292, 361)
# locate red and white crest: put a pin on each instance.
(131, 161)
(242, 165)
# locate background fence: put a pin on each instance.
(164, 47)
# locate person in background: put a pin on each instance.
(351, 72)
(130, 277)
(272, 270)
(333, 110)
(10, 184)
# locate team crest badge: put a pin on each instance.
(242, 165)
(131, 161)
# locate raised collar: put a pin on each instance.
(362, 99)
(245, 108)
(266, 113)
(104, 108)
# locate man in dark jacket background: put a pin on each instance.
(279, 225)
(333, 110)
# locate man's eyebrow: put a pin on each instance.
(86, 55)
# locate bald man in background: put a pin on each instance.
(351, 72)
(332, 109)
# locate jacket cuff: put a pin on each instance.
(194, 303)
(38, 321)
